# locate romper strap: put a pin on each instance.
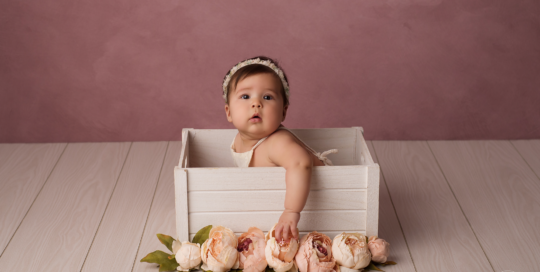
(321, 156)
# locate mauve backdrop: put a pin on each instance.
(131, 70)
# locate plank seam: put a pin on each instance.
(151, 203)
(526, 162)
(463, 212)
(106, 207)
(37, 195)
(280, 211)
(391, 201)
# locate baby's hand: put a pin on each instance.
(287, 226)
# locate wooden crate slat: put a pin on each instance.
(215, 201)
(123, 222)
(59, 228)
(273, 178)
(309, 220)
(211, 147)
(330, 234)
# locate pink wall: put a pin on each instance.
(131, 70)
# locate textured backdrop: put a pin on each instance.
(131, 70)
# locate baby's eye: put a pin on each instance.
(245, 96)
(269, 97)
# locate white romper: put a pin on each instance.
(243, 159)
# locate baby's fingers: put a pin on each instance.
(286, 229)
(278, 230)
(294, 231)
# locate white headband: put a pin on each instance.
(267, 63)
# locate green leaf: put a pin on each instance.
(372, 266)
(202, 235)
(161, 258)
(166, 240)
(387, 263)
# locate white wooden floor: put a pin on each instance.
(444, 205)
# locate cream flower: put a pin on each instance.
(315, 254)
(251, 246)
(188, 255)
(351, 251)
(280, 256)
(219, 252)
(380, 249)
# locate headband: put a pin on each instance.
(267, 63)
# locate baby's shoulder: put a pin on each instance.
(281, 136)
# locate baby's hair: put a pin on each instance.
(255, 69)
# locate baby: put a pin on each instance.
(256, 94)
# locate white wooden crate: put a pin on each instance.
(210, 190)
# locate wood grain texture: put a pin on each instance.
(211, 147)
(273, 178)
(181, 204)
(162, 216)
(530, 151)
(117, 239)
(24, 168)
(58, 230)
(389, 227)
(330, 234)
(499, 194)
(437, 232)
(272, 200)
(309, 220)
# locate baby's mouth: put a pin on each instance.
(255, 118)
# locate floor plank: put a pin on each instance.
(389, 227)
(123, 222)
(162, 217)
(530, 151)
(499, 194)
(24, 169)
(437, 232)
(58, 230)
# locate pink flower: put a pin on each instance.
(380, 249)
(219, 252)
(350, 250)
(251, 246)
(280, 256)
(315, 254)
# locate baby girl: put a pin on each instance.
(256, 93)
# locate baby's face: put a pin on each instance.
(257, 94)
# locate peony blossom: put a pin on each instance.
(280, 256)
(188, 255)
(380, 249)
(251, 247)
(351, 251)
(219, 252)
(315, 254)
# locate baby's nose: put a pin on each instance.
(256, 105)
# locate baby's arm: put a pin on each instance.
(286, 152)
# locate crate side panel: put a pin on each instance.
(273, 178)
(330, 234)
(211, 147)
(323, 139)
(335, 220)
(362, 154)
(272, 200)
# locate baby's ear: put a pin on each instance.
(285, 112)
(228, 113)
